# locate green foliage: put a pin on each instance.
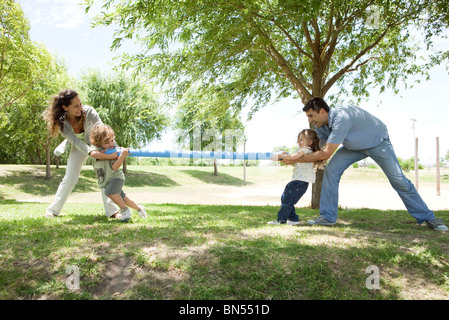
(292, 149)
(24, 136)
(207, 122)
(260, 49)
(128, 106)
(22, 62)
(409, 164)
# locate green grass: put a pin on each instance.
(201, 252)
(217, 252)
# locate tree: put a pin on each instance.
(25, 137)
(128, 106)
(22, 61)
(409, 164)
(258, 49)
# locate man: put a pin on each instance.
(362, 135)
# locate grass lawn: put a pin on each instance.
(203, 252)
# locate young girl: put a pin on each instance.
(303, 174)
(110, 178)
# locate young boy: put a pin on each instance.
(108, 174)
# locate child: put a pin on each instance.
(303, 174)
(108, 174)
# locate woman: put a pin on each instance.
(74, 121)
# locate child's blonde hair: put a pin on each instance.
(315, 146)
(100, 134)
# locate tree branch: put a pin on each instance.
(297, 84)
(362, 64)
(310, 41)
(344, 70)
(298, 47)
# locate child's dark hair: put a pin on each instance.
(315, 146)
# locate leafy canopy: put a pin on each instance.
(22, 61)
(259, 48)
(129, 106)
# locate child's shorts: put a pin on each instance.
(115, 186)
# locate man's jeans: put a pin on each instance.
(293, 191)
(385, 157)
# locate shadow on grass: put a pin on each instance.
(34, 181)
(136, 178)
(220, 179)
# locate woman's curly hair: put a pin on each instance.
(54, 115)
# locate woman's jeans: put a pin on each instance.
(293, 191)
(72, 173)
(385, 157)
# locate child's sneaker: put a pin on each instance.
(274, 223)
(292, 223)
(142, 212)
(126, 214)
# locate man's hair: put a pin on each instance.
(316, 104)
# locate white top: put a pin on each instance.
(82, 144)
(304, 171)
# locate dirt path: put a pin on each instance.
(353, 193)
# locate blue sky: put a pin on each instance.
(64, 28)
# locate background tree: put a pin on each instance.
(22, 61)
(24, 136)
(409, 164)
(260, 49)
(129, 106)
(208, 122)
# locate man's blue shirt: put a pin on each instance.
(355, 128)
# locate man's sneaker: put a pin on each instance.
(437, 225)
(142, 213)
(50, 214)
(274, 223)
(126, 214)
(320, 221)
(292, 223)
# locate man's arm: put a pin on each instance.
(324, 154)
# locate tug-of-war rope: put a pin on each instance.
(196, 154)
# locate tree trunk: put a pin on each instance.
(38, 153)
(215, 168)
(316, 189)
(47, 161)
(124, 166)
